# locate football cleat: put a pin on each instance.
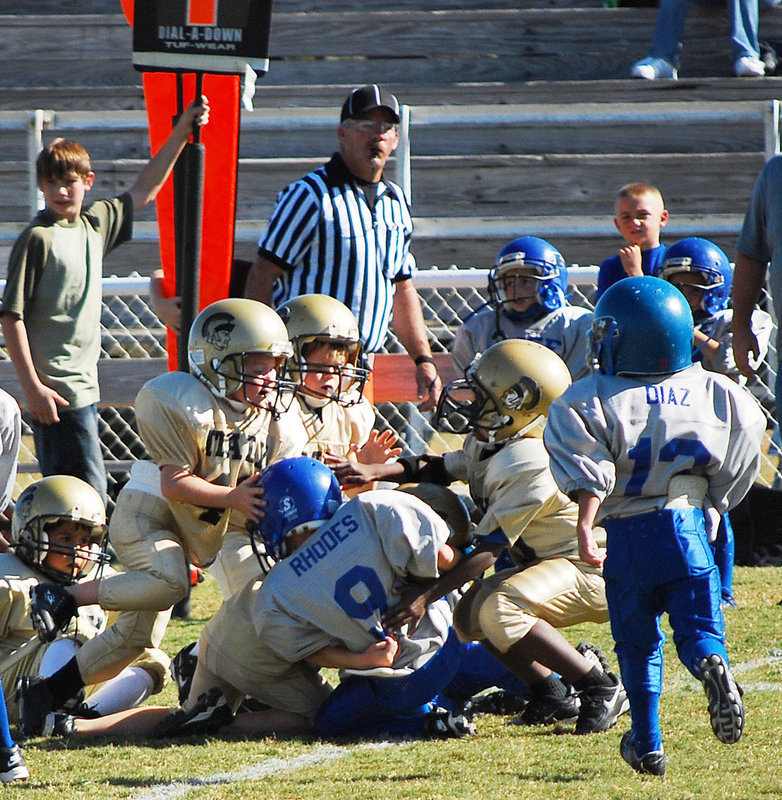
(500, 701)
(12, 766)
(52, 607)
(183, 667)
(547, 710)
(652, 763)
(210, 712)
(35, 705)
(601, 706)
(594, 655)
(724, 695)
(444, 724)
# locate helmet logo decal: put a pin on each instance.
(287, 507)
(523, 395)
(25, 503)
(217, 330)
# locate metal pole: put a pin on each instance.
(194, 156)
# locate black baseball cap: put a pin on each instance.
(362, 100)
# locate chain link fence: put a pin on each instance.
(130, 329)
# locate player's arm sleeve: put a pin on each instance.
(463, 348)
(754, 240)
(410, 535)
(576, 338)
(362, 420)
(10, 440)
(113, 219)
(15, 605)
(166, 430)
(579, 455)
(292, 226)
(25, 267)
(732, 478)
(289, 637)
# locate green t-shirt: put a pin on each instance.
(54, 285)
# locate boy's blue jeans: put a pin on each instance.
(72, 447)
(669, 30)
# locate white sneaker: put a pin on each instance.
(651, 68)
(749, 67)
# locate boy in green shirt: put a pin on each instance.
(51, 307)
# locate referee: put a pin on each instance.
(344, 230)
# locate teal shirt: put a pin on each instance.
(54, 284)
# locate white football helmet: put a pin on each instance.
(313, 319)
(507, 392)
(224, 334)
(47, 502)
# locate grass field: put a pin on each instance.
(501, 761)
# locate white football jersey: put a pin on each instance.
(564, 331)
(334, 428)
(333, 589)
(624, 438)
(184, 424)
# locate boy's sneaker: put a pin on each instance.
(651, 69)
(724, 695)
(12, 766)
(183, 667)
(500, 701)
(35, 704)
(652, 763)
(601, 706)
(444, 724)
(749, 67)
(210, 712)
(594, 655)
(548, 710)
(52, 607)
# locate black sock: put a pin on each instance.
(65, 684)
(550, 686)
(595, 677)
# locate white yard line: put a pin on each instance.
(327, 752)
(272, 766)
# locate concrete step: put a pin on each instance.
(432, 47)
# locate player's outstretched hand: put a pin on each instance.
(350, 472)
(248, 497)
(379, 447)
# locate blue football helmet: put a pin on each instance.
(549, 268)
(641, 326)
(298, 490)
(694, 254)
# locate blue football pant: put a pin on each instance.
(658, 563)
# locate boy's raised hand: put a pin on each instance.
(630, 256)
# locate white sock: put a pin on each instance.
(57, 655)
(127, 690)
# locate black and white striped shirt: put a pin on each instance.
(328, 238)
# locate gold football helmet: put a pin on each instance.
(225, 333)
(49, 501)
(319, 319)
(449, 506)
(507, 392)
